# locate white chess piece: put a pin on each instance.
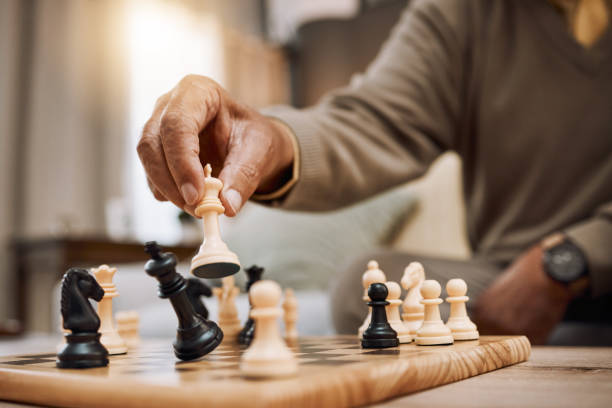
(268, 355)
(393, 315)
(433, 331)
(459, 323)
(214, 259)
(228, 313)
(372, 275)
(109, 335)
(128, 326)
(412, 309)
(290, 316)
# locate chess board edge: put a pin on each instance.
(364, 382)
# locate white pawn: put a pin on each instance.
(433, 331)
(459, 323)
(290, 316)
(412, 309)
(393, 315)
(128, 326)
(228, 313)
(109, 335)
(268, 355)
(372, 275)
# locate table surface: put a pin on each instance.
(553, 377)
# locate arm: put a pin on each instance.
(384, 129)
(390, 123)
(525, 300)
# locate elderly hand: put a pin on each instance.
(196, 123)
(523, 300)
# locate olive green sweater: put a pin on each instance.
(502, 83)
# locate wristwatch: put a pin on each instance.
(565, 263)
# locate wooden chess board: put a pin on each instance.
(334, 372)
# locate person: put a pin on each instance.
(521, 90)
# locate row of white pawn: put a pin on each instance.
(420, 309)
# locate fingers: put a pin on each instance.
(151, 154)
(156, 193)
(242, 171)
(193, 103)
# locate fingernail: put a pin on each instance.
(190, 194)
(234, 199)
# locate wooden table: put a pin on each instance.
(553, 377)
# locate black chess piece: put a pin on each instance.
(196, 288)
(83, 348)
(246, 334)
(195, 336)
(379, 333)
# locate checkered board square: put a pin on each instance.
(333, 371)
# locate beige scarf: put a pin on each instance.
(587, 19)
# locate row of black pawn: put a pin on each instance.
(196, 336)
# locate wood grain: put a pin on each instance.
(560, 377)
(334, 372)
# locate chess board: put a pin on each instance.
(334, 372)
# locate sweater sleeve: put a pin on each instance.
(391, 122)
(594, 237)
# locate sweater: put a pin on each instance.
(505, 85)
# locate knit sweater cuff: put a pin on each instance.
(310, 152)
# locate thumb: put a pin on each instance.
(240, 176)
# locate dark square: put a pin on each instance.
(30, 361)
(384, 352)
(329, 362)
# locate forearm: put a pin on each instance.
(390, 123)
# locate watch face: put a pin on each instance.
(565, 262)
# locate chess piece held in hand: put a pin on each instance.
(110, 336)
(433, 331)
(459, 323)
(83, 348)
(413, 311)
(195, 336)
(214, 259)
(268, 355)
(379, 333)
(372, 275)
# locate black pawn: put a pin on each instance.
(246, 334)
(379, 333)
(195, 336)
(83, 348)
(195, 290)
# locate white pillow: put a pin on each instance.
(304, 250)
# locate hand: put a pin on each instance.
(196, 123)
(523, 300)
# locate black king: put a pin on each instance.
(195, 336)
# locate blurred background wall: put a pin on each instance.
(78, 79)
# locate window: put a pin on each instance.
(166, 42)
